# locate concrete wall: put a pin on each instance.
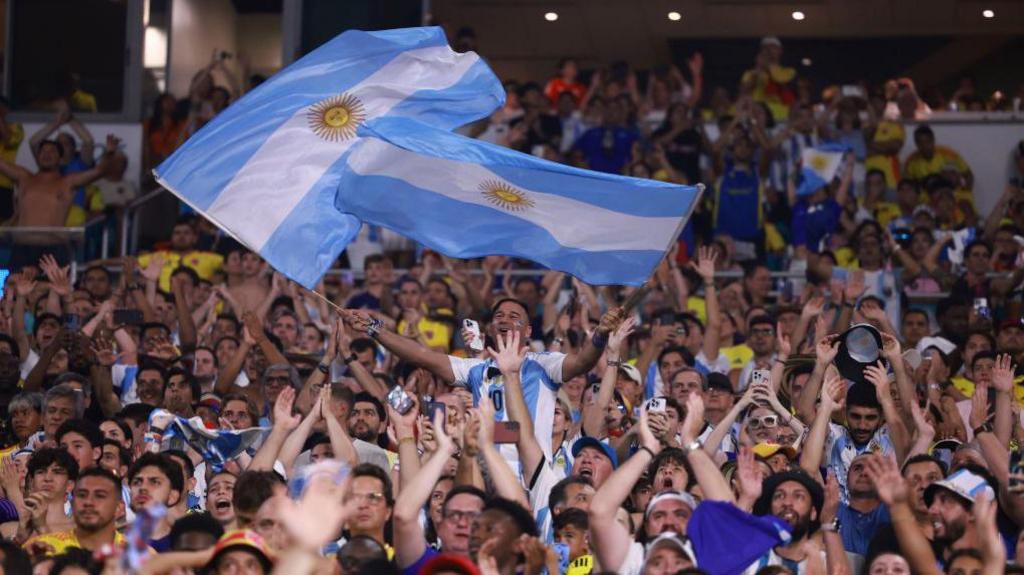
(258, 38)
(198, 28)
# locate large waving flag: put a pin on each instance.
(266, 169)
(819, 165)
(467, 198)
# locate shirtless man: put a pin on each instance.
(44, 199)
(250, 286)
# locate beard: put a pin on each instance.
(801, 526)
(952, 531)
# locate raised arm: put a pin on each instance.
(88, 149)
(609, 539)
(403, 347)
(510, 357)
(96, 172)
(506, 484)
(285, 423)
(341, 443)
(814, 446)
(34, 141)
(714, 441)
(186, 326)
(13, 171)
(893, 491)
(712, 483)
(825, 351)
(877, 375)
(583, 361)
(705, 267)
(410, 543)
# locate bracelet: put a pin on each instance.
(351, 357)
(983, 428)
(614, 363)
(558, 340)
(599, 341)
(648, 450)
(323, 368)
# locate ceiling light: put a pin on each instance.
(798, 15)
(806, 62)
(551, 16)
(675, 16)
(988, 13)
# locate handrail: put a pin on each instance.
(18, 230)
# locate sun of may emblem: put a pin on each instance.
(336, 118)
(505, 196)
(818, 163)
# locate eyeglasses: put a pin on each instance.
(276, 380)
(458, 516)
(374, 498)
(718, 391)
(766, 421)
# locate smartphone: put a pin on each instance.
(981, 308)
(72, 322)
(760, 376)
(127, 317)
(656, 405)
(474, 328)
(506, 431)
(434, 407)
(399, 400)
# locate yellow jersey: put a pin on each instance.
(61, 541)
(9, 150)
(918, 167)
(204, 263)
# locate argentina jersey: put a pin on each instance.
(541, 377)
(841, 451)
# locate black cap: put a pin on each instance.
(859, 347)
(719, 381)
(763, 506)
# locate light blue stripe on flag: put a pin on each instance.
(468, 198)
(265, 169)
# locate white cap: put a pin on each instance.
(940, 343)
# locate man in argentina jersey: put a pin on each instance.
(542, 374)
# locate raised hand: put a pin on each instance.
(154, 268)
(707, 256)
(611, 320)
(58, 276)
(748, 474)
(621, 334)
(647, 437)
(854, 286)
(890, 485)
(991, 543)
(783, 345)
(1002, 373)
(694, 420)
(832, 394)
(891, 348)
(283, 416)
(510, 356)
(877, 375)
(103, 349)
(826, 349)
(319, 514)
(813, 308)
(24, 283)
(979, 406)
(831, 505)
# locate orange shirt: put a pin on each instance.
(163, 141)
(556, 86)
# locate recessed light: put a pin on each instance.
(806, 62)
(798, 15)
(988, 13)
(551, 16)
(675, 16)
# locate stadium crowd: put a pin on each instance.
(189, 410)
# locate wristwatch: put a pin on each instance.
(692, 446)
(324, 368)
(351, 357)
(833, 526)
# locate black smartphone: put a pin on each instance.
(434, 407)
(127, 317)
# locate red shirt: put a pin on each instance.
(556, 86)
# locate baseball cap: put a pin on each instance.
(446, 562)
(771, 41)
(670, 540)
(631, 372)
(671, 495)
(962, 483)
(1010, 322)
(940, 343)
(766, 450)
(601, 446)
(246, 540)
(718, 381)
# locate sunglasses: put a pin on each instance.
(766, 421)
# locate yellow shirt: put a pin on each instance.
(889, 165)
(581, 565)
(62, 540)
(697, 307)
(204, 263)
(9, 150)
(437, 334)
(919, 168)
(886, 212)
(966, 387)
(738, 355)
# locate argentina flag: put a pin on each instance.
(819, 165)
(266, 169)
(466, 198)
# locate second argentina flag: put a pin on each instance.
(467, 198)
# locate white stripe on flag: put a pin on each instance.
(294, 158)
(600, 229)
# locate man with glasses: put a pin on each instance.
(370, 490)
(761, 340)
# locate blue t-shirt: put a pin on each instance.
(415, 567)
(738, 203)
(365, 300)
(857, 529)
(813, 222)
(75, 166)
(607, 149)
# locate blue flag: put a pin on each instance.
(467, 198)
(819, 165)
(266, 169)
